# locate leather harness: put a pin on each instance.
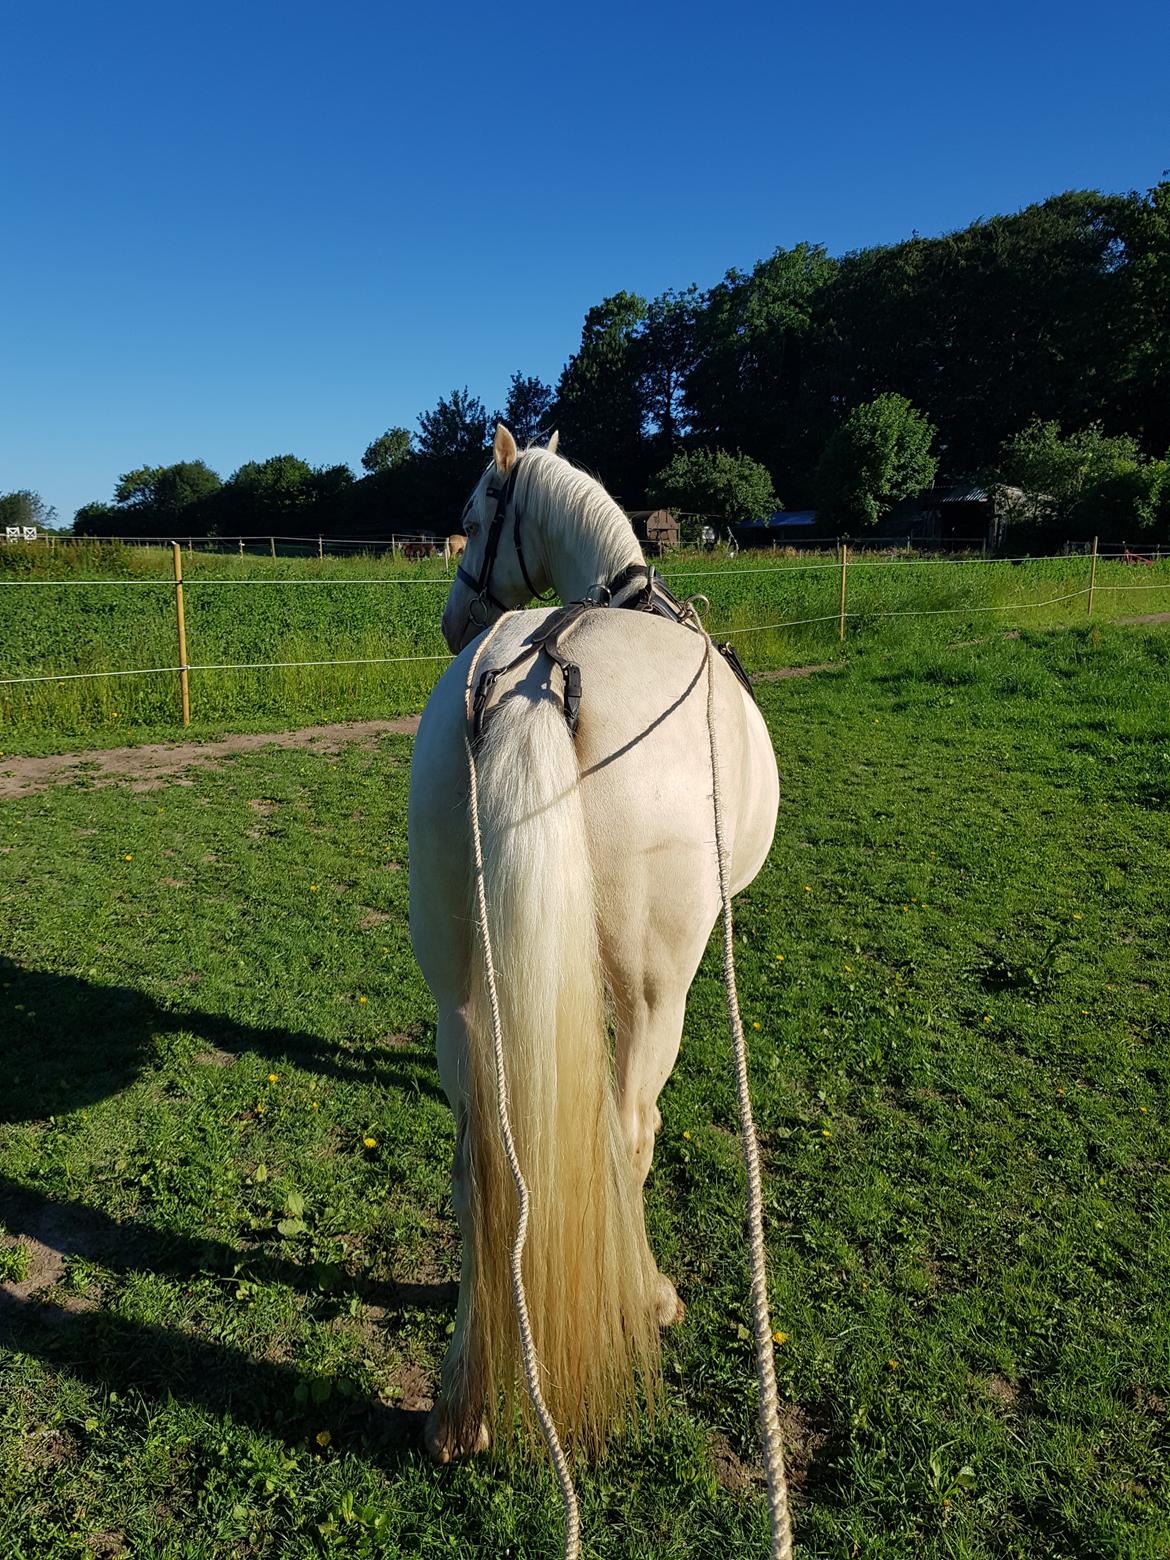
(650, 595)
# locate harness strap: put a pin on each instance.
(546, 642)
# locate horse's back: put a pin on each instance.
(642, 742)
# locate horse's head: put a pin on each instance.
(500, 569)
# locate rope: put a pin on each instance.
(770, 1433)
(527, 1346)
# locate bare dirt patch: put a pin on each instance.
(412, 1390)
(147, 767)
(804, 1431)
(782, 673)
(731, 1472)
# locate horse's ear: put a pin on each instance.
(504, 448)
(552, 443)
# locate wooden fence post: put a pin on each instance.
(1092, 576)
(184, 689)
(844, 565)
(320, 547)
(272, 545)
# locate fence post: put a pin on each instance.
(1092, 576)
(272, 545)
(182, 622)
(844, 565)
(241, 546)
(320, 547)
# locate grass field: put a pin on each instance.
(94, 608)
(219, 1102)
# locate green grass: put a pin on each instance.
(55, 619)
(956, 957)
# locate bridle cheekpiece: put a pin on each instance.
(481, 584)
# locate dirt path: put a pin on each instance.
(152, 764)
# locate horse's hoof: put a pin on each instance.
(670, 1309)
(445, 1441)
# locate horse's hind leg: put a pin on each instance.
(456, 1426)
(649, 1031)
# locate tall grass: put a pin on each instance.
(103, 607)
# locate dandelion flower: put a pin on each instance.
(274, 1077)
(259, 1110)
(825, 1132)
(687, 1135)
(127, 858)
(893, 1364)
(312, 888)
(363, 999)
(755, 1025)
(779, 1337)
(314, 1106)
(323, 1438)
(779, 958)
(370, 1142)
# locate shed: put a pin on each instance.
(658, 528)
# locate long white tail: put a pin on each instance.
(588, 1272)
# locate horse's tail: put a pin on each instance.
(588, 1272)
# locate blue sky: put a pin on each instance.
(235, 231)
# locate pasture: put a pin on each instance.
(219, 1108)
(94, 608)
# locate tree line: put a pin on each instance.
(1031, 349)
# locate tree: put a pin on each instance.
(390, 449)
(879, 454)
(26, 508)
(748, 383)
(156, 494)
(527, 411)
(282, 482)
(98, 519)
(599, 406)
(666, 357)
(722, 487)
(456, 427)
(1086, 482)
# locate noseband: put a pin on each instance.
(481, 584)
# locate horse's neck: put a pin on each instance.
(586, 550)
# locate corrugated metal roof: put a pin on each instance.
(962, 495)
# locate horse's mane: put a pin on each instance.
(572, 506)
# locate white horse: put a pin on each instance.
(601, 880)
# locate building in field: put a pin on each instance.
(656, 528)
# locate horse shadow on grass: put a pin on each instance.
(68, 1043)
(159, 1363)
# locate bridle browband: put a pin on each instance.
(482, 585)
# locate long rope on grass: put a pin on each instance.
(527, 1344)
(770, 1433)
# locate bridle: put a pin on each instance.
(481, 585)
